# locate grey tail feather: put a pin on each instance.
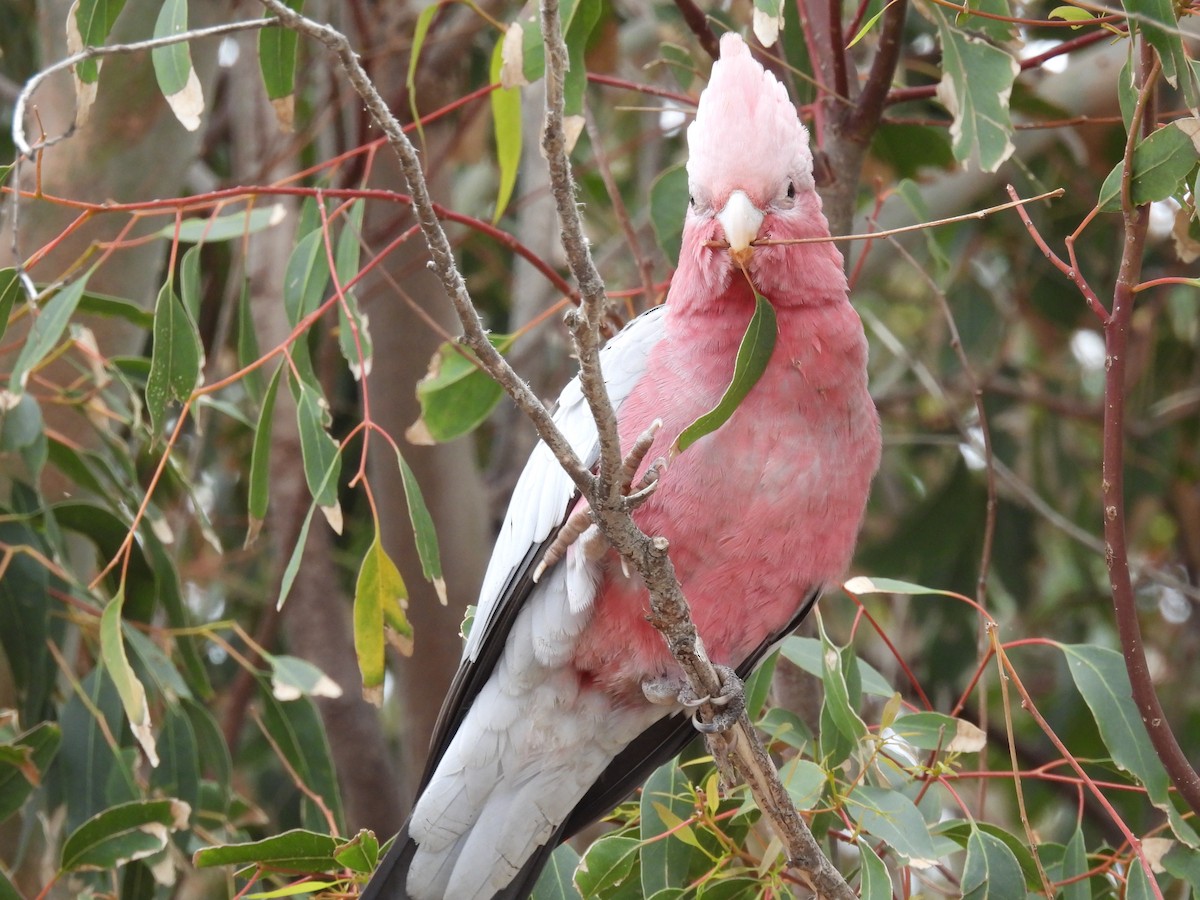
(389, 880)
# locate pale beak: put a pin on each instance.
(741, 220)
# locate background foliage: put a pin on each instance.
(210, 400)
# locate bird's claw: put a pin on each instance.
(727, 706)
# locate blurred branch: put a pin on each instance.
(696, 20)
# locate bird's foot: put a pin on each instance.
(726, 705)
(633, 461)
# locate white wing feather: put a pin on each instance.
(532, 742)
(540, 498)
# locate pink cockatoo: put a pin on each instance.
(548, 724)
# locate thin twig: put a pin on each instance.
(920, 226)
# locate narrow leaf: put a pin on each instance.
(806, 653)
(754, 352)
(455, 394)
(247, 345)
(293, 678)
(379, 587)
(424, 20)
(91, 21)
(173, 66)
(606, 865)
(321, 453)
(189, 282)
(213, 229)
(18, 777)
(977, 80)
(1161, 163)
(506, 129)
(361, 854)
(354, 336)
(45, 332)
(175, 361)
(424, 532)
(933, 730)
(123, 833)
(298, 850)
(892, 817)
(991, 872)
(10, 290)
(874, 881)
(133, 694)
(277, 62)
(557, 879)
(258, 493)
(666, 801)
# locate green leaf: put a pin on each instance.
(874, 880)
(379, 588)
(1139, 885)
(842, 707)
(354, 337)
(1180, 862)
(806, 653)
(867, 26)
(576, 31)
(666, 801)
(1071, 14)
(557, 879)
(189, 282)
(424, 532)
(123, 833)
(758, 686)
(296, 850)
(668, 206)
(293, 678)
(1074, 865)
(178, 774)
(1102, 679)
(45, 332)
(10, 290)
(424, 20)
(937, 731)
(175, 361)
(861, 584)
(991, 870)
(232, 226)
(258, 491)
(455, 395)
(94, 20)
(277, 62)
(18, 777)
(606, 865)
(1159, 24)
(506, 129)
(305, 280)
(754, 352)
(133, 694)
(977, 80)
(1161, 165)
(173, 66)
(247, 345)
(361, 853)
(116, 308)
(321, 453)
(805, 782)
(892, 817)
(296, 730)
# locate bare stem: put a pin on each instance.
(1112, 486)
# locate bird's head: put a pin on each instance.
(750, 169)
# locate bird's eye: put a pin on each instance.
(791, 191)
(691, 201)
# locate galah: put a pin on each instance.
(550, 721)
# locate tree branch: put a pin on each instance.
(1112, 485)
